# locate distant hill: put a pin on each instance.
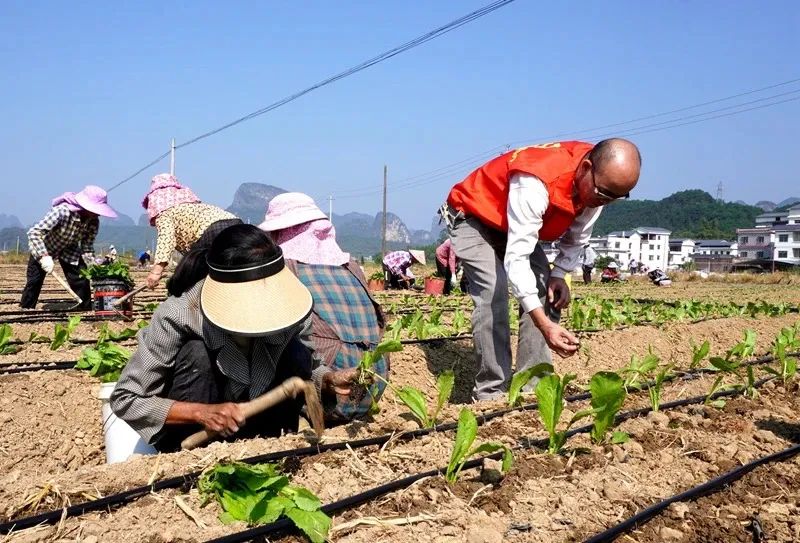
(766, 205)
(9, 221)
(783, 205)
(689, 213)
(250, 201)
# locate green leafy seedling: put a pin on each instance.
(418, 405)
(104, 361)
(63, 333)
(731, 364)
(787, 340)
(367, 362)
(259, 494)
(699, 352)
(550, 396)
(462, 451)
(639, 368)
(522, 378)
(607, 396)
(654, 389)
(5, 337)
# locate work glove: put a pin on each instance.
(453, 282)
(47, 264)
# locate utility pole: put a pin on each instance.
(719, 191)
(17, 244)
(383, 228)
(172, 158)
(330, 207)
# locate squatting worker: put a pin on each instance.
(496, 217)
(183, 223)
(397, 265)
(66, 234)
(346, 321)
(229, 338)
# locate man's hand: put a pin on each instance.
(223, 418)
(561, 340)
(340, 381)
(47, 264)
(558, 293)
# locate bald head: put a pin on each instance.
(618, 162)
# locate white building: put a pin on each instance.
(776, 237)
(715, 247)
(647, 245)
(680, 251)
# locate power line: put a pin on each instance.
(416, 42)
(643, 129)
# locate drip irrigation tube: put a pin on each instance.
(435, 339)
(709, 487)
(86, 316)
(378, 491)
(114, 500)
(44, 366)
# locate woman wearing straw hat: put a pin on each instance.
(182, 221)
(230, 338)
(397, 266)
(65, 234)
(346, 320)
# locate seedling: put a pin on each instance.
(62, 333)
(115, 270)
(654, 389)
(462, 451)
(106, 334)
(5, 337)
(639, 368)
(787, 340)
(608, 395)
(416, 402)
(522, 378)
(370, 357)
(259, 494)
(699, 352)
(104, 361)
(550, 395)
(732, 364)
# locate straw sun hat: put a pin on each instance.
(257, 299)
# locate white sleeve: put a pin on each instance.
(573, 240)
(527, 202)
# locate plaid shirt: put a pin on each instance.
(63, 234)
(398, 263)
(346, 323)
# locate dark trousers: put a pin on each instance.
(197, 379)
(587, 273)
(35, 280)
(444, 271)
(394, 280)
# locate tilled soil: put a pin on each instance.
(51, 452)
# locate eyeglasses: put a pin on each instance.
(606, 195)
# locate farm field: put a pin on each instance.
(52, 452)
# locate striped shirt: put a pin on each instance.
(346, 323)
(399, 263)
(179, 227)
(138, 398)
(64, 234)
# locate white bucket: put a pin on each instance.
(121, 440)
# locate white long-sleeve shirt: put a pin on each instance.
(527, 203)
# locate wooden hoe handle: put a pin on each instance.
(287, 390)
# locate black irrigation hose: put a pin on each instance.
(40, 319)
(435, 339)
(709, 487)
(378, 491)
(44, 366)
(128, 496)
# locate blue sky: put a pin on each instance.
(92, 91)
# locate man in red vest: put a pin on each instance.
(496, 218)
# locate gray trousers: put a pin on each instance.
(481, 250)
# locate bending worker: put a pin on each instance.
(66, 234)
(398, 266)
(182, 221)
(496, 217)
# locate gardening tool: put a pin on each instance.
(124, 299)
(289, 389)
(68, 289)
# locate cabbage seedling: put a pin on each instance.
(416, 402)
(699, 352)
(550, 396)
(654, 389)
(5, 337)
(522, 378)
(732, 364)
(608, 395)
(462, 451)
(639, 368)
(787, 340)
(62, 333)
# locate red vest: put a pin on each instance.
(484, 193)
